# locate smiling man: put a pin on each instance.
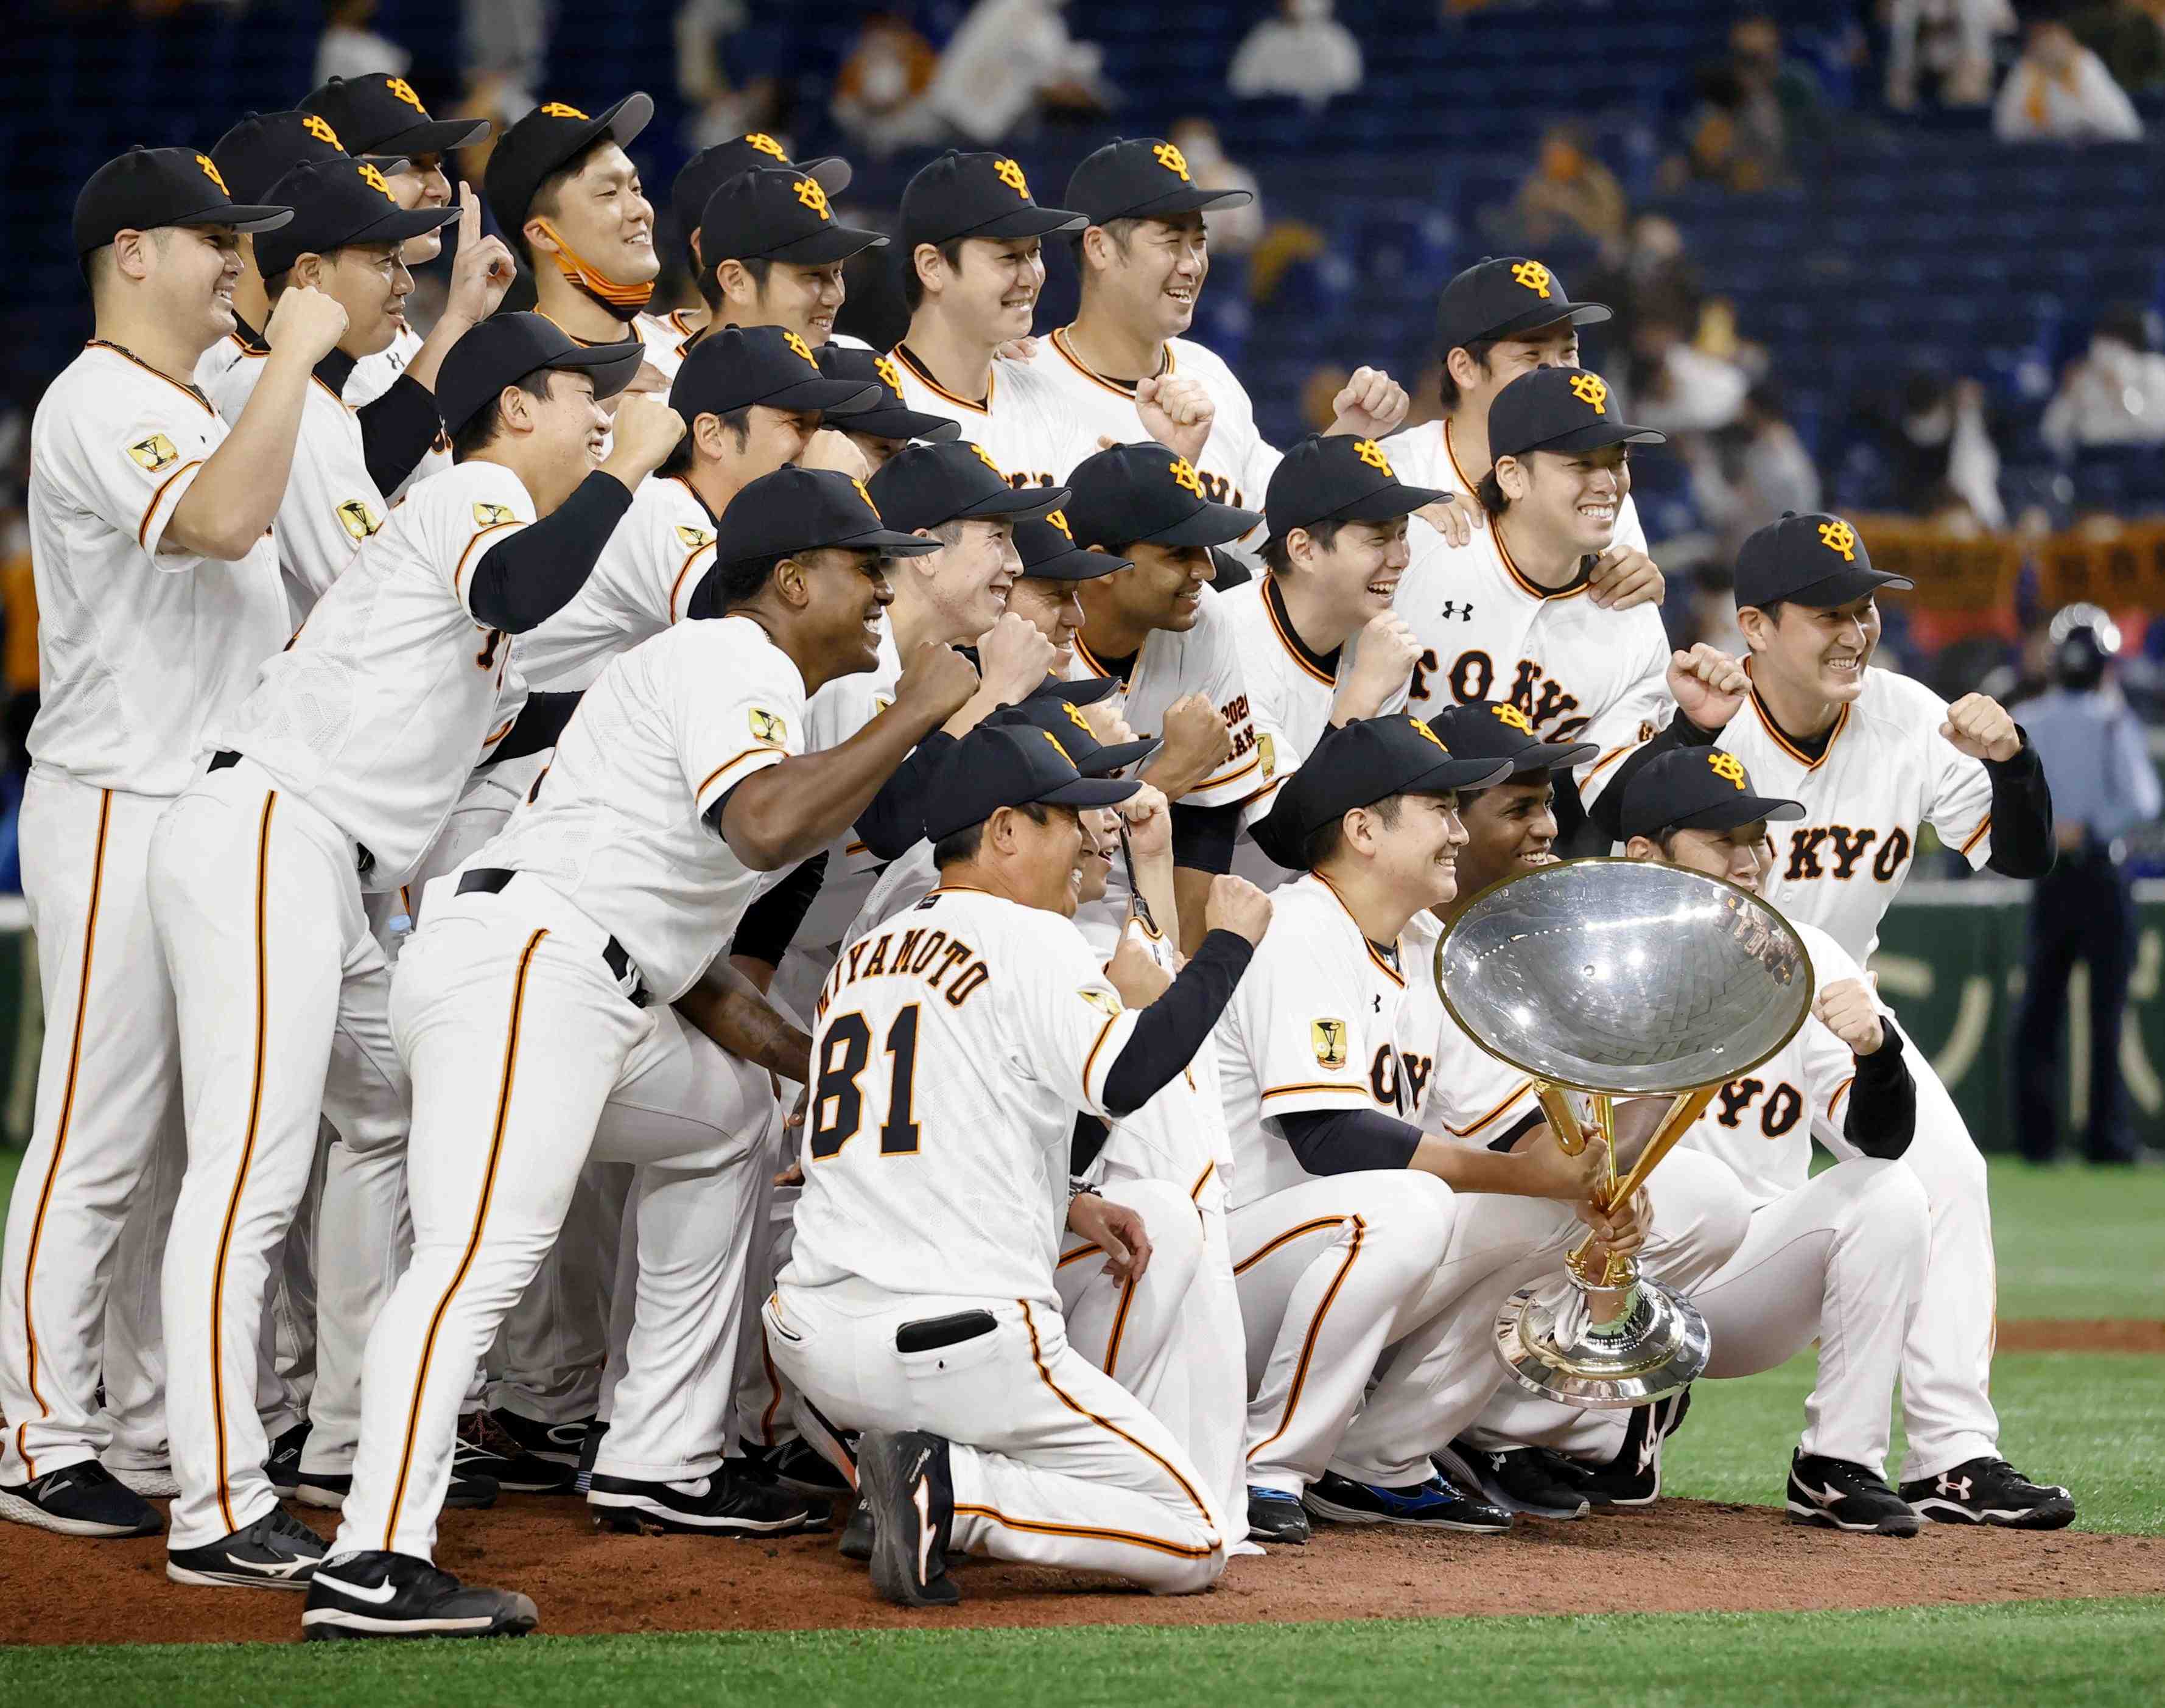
(777, 252)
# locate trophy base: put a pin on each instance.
(1657, 1349)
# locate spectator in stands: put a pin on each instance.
(727, 71)
(2116, 393)
(2129, 36)
(880, 91)
(2060, 91)
(1675, 386)
(1010, 59)
(1650, 265)
(1937, 446)
(1303, 52)
(1748, 477)
(1569, 194)
(1233, 231)
(2097, 761)
(1951, 40)
(1752, 105)
(349, 48)
(505, 46)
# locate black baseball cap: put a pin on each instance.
(380, 113)
(264, 146)
(1049, 708)
(887, 415)
(926, 484)
(975, 195)
(1145, 494)
(1338, 478)
(336, 202)
(738, 365)
(1357, 764)
(777, 214)
(1559, 409)
(1496, 729)
(1501, 295)
(541, 142)
(1700, 788)
(995, 766)
(711, 168)
(505, 347)
(1142, 177)
(1817, 560)
(799, 510)
(1049, 553)
(149, 187)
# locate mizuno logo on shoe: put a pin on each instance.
(263, 1569)
(381, 1593)
(1829, 1496)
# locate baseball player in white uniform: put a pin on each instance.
(1838, 1257)
(777, 251)
(1874, 757)
(556, 953)
(883, 426)
(971, 278)
(954, 1050)
(158, 596)
(1321, 642)
(332, 777)
(1159, 629)
(1356, 1238)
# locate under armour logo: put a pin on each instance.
(1183, 475)
(374, 180)
(813, 196)
(890, 374)
(1172, 160)
(1838, 535)
(319, 127)
(1504, 711)
(558, 109)
(1728, 767)
(765, 143)
(1533, 275)
(801, 348)
(1592, 389)
(403, 91)
(1372, 453)
(1955, 1487)
(1008, 173)
(1058, 518)
(1464, 614)
(210, 171)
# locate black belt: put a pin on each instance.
(491, 880)
(225, 758)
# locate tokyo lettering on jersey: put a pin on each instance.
(617, 824)
(953, 1047)
(393, 693)
(1324, 1019)
(140, 647)
(640, 584)
(1020, 421)
(1885, 772)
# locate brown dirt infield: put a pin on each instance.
(2082, 1334)
(1682, 1556)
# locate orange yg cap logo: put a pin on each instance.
(1008, 173)
(1533, 277)
(1372, 453)
(1591, 390)
(210, 171)
(1077, 719)
(558, 109)
(1183, 475)
(1727, 767)
(765, 144)
(1172, 160)
(1505, 712)
(1422, 730)
(866, 496)
(801, 348)
(1838, 536)
(890, 374)
(985, 457)
(374, 180)
(404, 91)
(319, 127)
(1058, 518)
(1056, 747)
(813, 196)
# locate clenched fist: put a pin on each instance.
(1979, 725)
(1237, 905)
(1149, 821)
(1709, 687)
(1196, 744)
(305, 323)
(827, 449)
(1014, 657)
(1847, 1011)
(1176, 412)
(1372, 405)
(1385, 654)
(1135, 973)
(935, 683)
(646, 431)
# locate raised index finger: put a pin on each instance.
(469, 215)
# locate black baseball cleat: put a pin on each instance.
(328, 1490)
(1837, 1495)
(283, 1466)
(1634, 1477)
(84, 1499)
(276, 1551)
(1277, 1517)
(557, 1443)
(1438, 1504)
(857, 1542)
(905, 1481)
(1990, 1491)
(394, 1595)
(726, 1502)
(588, 1449)
(801, 1466)
(1530, 1480)
(488, 1449)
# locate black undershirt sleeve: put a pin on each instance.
(525, 581)
(2021, 815)
(893, 823)
(396, 430)
(1517, 1130)
(1349, 1141)
(1170, 1031)
(769, 925)
(1881, 1117)
(1202, 837)
(540, 725)
(1089, 1138)
(1604, 817)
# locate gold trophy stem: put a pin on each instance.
(1617, 1275)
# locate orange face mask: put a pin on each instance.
(623, 301)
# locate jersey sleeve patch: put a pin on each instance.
(768, 728)
(1104, 1001)
(486, 515)
(155, 453)
(1328, 1038)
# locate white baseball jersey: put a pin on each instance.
(1423, 456)
(1021, 421)
(374, 376)
(1236, 463)
(1323, 1020)
(1487, 632)
(835, 712)
(639, 585)
(331, 504)
(393, 693)
(665, 339)
(1885, 771)
(954, 1048)
(140, 647)
(617, 825)
(214, 364)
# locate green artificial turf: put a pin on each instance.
(2077, 1241)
